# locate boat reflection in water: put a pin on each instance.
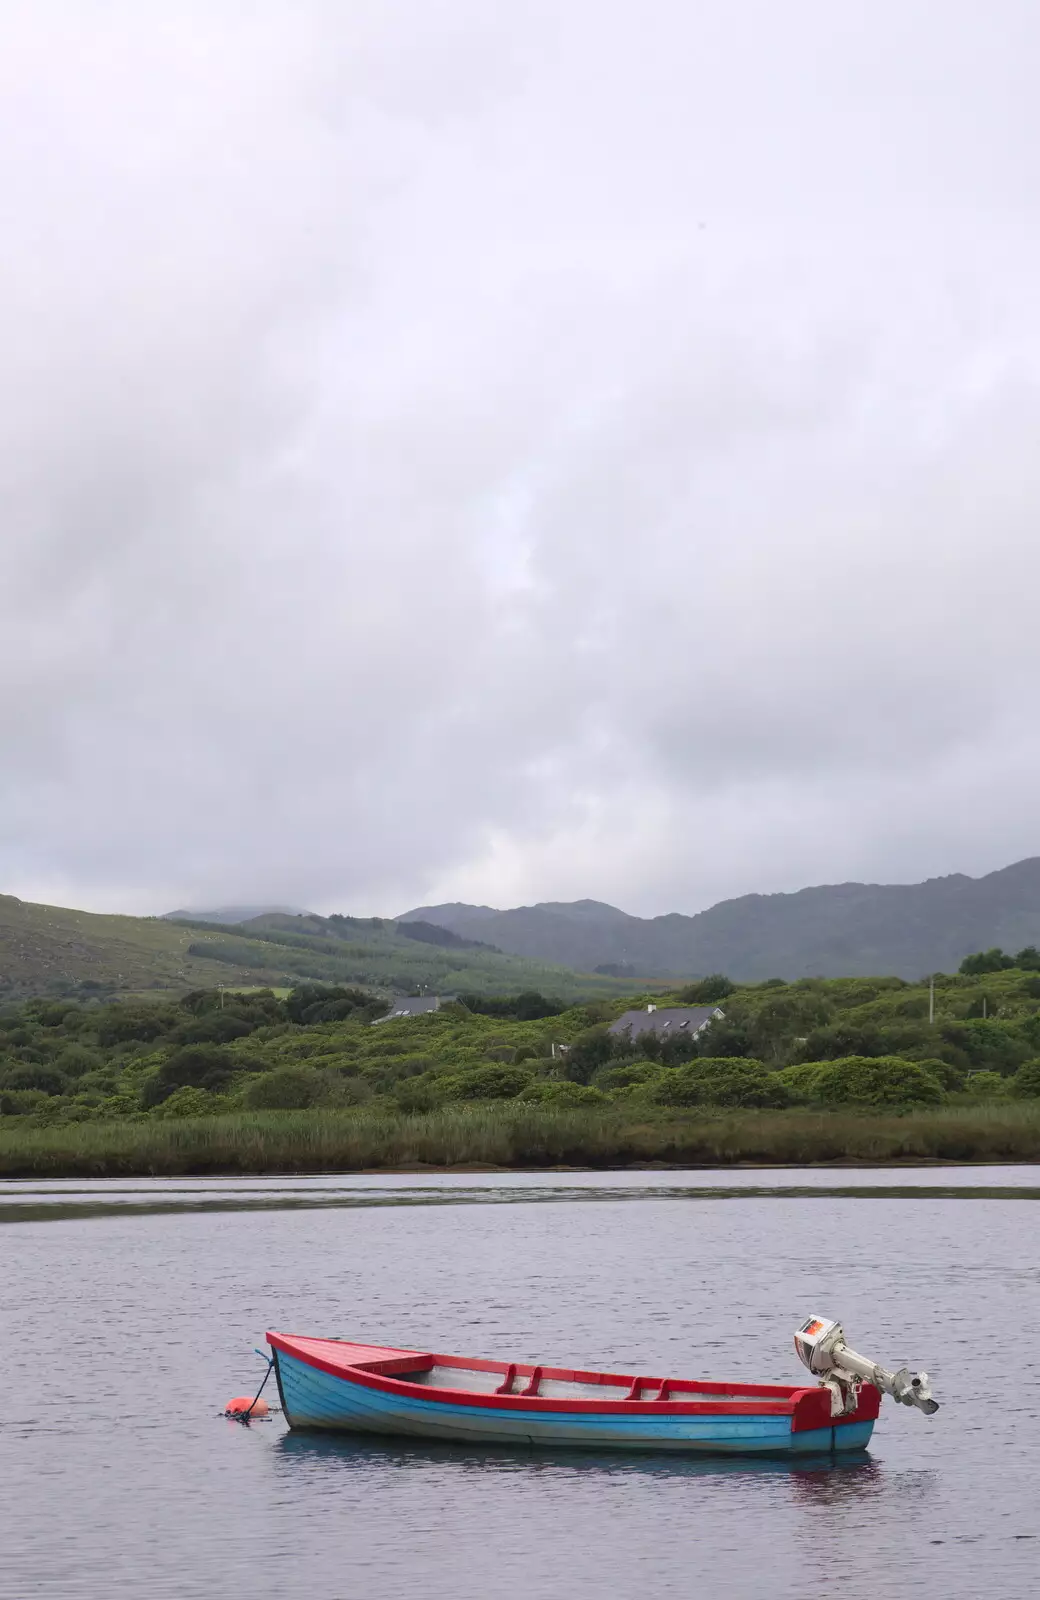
(819, 1476)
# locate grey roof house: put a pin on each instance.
(410, 1005)
(666, 1020)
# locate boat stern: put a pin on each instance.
(814, 1428)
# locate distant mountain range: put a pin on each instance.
(836, 930)
(848, 929)
(233, 914)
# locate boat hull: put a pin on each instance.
(316, 1399)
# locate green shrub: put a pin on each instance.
(102, 1082)
(118, 1105)
(986, 961)
(455, 1009)
(1025, 1085)
(674, 1048)
(416, 1095)
(322, 1002)
(595, 1012)
(55, 1108)
(1029, 1030)
(777, 1021)
(199, 1066)
(682, 1087)
(801, 1078)
(745, 1083)
(21, 1102)
(562, 1093)
(841, 1040)
(729, 1037)
(529, 1006)
(124, 1021)
(214, 1027)
(285, 1089)
(388, 1070)
(626, 1074)
(53, 1013)
(988, 1045)
(591, 1049)
(987, 1085)
(189, 1102)
(77, 1059)
(711, 1064)
(952, 1078)
(348, 1091)
(720, 1081)
(876, 1081)
(706, 991)
(484, 1083)
(33, 1075)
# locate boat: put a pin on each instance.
(348, 1387)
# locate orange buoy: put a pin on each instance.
(245, 1403)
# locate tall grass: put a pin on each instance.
(514, 1136)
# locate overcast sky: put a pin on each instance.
(466, 451)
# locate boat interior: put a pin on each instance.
(522, 1378)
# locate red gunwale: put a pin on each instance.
(378, 1366)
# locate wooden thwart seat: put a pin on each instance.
(653, 1389)
(661, 1389)
(531, 1387)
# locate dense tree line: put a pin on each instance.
(855, 1042)
(527, 1006)
(1027, 960)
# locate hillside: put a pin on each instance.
(854, 930)
(851, 929)
(53, 950)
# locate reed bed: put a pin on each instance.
(514, 1136)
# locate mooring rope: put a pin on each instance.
(244, 1416)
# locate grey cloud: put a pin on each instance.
(583, 451)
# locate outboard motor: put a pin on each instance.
(821, 1347)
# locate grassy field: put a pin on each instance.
(510, 1135)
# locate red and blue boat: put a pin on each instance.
(371, 1389)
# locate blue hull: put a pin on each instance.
(312, 1398)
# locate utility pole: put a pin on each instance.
(931, 999)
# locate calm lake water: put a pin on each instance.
(131, 1309)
